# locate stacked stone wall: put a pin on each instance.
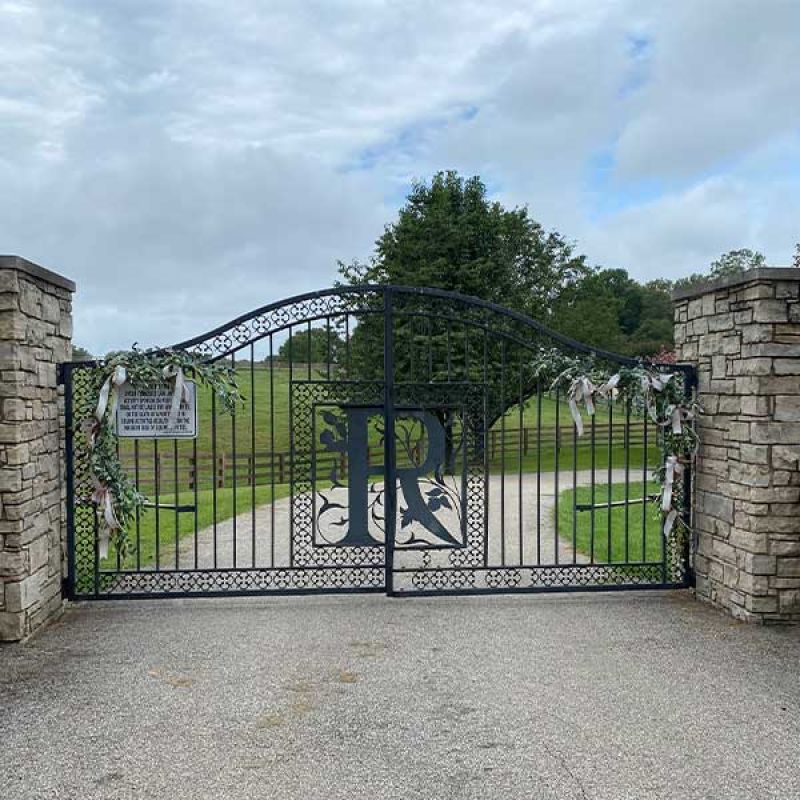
(744, 337)
(35, 335)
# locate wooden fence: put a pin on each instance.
(264, 467)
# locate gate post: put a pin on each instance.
(743, 334)
(35, 336)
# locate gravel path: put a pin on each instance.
(263, 540)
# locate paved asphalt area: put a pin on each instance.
(637, 695)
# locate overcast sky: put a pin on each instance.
(185, 162)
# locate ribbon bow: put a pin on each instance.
(581, 390)
(104, 499)
(180, 391)
(110, 391)
(672, 469)
(676, 416)
(651, 383)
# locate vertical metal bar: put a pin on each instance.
(520, 425)
(574, 495)
(308, 349)
(291, 453)
(390, 487)
(272, 453)
(252, 456)
(214, 476)
(538, 472)
(69, 453)
(555, 474)
(429, 328)
(157, 509)
(591, 517)
(503, 452)
(627, 477)
(175, 494)
(196, 466)
(346, 344)
(610, 475)
(328, 347)
(118, 554)
(645, 504)
(138, 510)
(235, 488)
(449, 354)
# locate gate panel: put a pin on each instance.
(391, 439)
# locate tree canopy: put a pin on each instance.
(317, 346)
(448, 235)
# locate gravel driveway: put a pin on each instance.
(647, 695)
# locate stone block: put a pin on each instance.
(787, 366)
(723, 322)
(789, 601)
(787, 407)
(771, 311)
(759, 564)
(785, 456)
(789, 567)
(751, 366)
(778, 432)
(12, 624)
(761, 605)
(786, 547)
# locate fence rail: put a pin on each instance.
(264, 467)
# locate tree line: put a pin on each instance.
(449, 235)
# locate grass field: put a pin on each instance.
(644, 539)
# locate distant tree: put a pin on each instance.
(734, 262)
(796, 257)
(81, 353)
(311, 346)
(610, 310)
(728, 265)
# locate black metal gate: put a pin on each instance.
(392, 440)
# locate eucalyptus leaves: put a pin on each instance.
(115, 494)
(659, 395)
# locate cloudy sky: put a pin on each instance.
(185, 162)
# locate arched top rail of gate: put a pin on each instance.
(372, 299)
(378, 299)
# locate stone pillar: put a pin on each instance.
(35, 335)
(743, 334)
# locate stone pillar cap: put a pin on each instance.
(23, 265)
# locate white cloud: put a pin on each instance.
(187, 162)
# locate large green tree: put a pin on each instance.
(449, 235)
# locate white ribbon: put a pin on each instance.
(609, 388)
(672, 469)
(105, 504)
(676, 416)
(110, 390)
(581, 390)
(180, 391)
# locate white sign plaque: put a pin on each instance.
(143, 413)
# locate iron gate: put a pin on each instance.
(394, 440)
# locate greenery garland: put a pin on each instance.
(656, 393)
(115, 494)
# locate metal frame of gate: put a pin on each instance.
(431, 383)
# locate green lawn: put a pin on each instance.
(641, 518)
